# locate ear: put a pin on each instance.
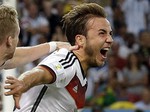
(9, 41)
(80, 40)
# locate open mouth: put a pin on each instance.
(104, 51)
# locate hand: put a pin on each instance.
(16, 87)
(67, 46)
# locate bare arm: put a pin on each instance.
(36, 76)
(24, 55)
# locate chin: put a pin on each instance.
(100, 63)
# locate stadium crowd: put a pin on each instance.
(126, 75)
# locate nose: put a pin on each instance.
(109, 39)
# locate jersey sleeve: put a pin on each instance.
(62, 76)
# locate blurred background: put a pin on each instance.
(123, 83)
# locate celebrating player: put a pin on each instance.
(58, 83)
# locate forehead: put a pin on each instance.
(98, 23)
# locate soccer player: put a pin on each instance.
(9, 31)
(58, 83)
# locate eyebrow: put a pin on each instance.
(102, 30)
(105, 31)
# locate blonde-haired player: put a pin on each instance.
(10, 56)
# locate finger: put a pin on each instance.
(10, 77)
(75, 47)
(9, 86)
(10, 81)
(17, 99)
(12, 92)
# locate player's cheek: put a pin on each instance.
(102, 42)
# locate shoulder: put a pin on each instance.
(56, 55)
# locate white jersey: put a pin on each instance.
(65, 94)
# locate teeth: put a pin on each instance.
(105, 49)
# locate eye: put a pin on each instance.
(111, 33)
(102, 34)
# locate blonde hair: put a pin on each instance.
(8, 22)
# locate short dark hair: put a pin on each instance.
(75, 21)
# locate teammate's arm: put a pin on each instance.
(24, 55)
(38, 75)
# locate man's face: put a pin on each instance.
(14, 42)
(98, 41)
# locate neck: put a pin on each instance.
(83, 60)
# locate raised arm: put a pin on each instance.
(24, 55)
(36, 76)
